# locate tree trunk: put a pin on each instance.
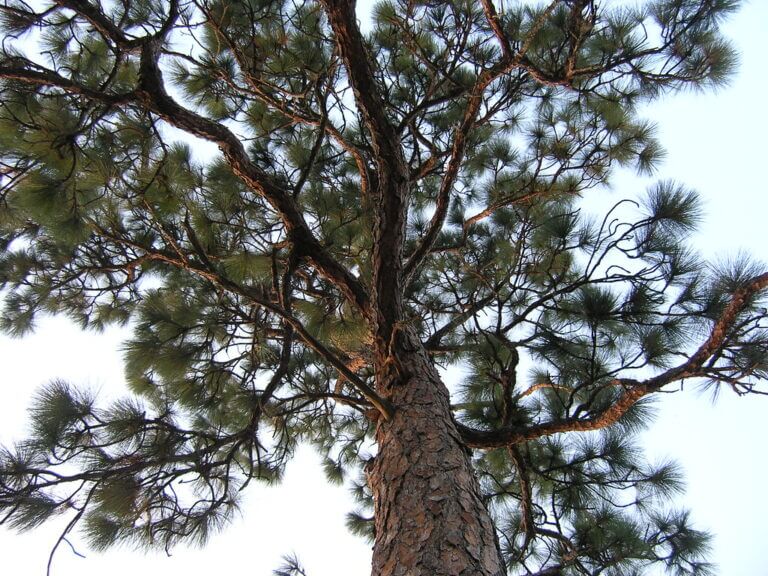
(429, 517)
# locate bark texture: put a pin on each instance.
(429, 517)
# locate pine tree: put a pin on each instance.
(380, 205)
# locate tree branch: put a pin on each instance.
(633, 390)
(506, 64)
(384, 138)
(254, 295)
(390, 193)
(153, 95)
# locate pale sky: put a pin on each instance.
(716, 144)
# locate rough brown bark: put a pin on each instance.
(429, 517)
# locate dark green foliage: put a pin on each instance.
(291, 567)
(113, 210)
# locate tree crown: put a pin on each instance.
(422, 177)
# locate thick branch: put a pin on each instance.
(390, 194)
(451, 174)
(633, 390)
(495, 23)
(384, 138)
(22, 70)
(102, 23)
(506, 64)
(153, 96)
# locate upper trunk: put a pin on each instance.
(429, 517)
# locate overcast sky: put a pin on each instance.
(716, 144)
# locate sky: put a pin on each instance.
(716, 144)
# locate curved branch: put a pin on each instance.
(264, 92)
(495, 23)
(22, 70)
(475, 101)
(634, 390)
(104, 25)
(153, 95)
(451, 174)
